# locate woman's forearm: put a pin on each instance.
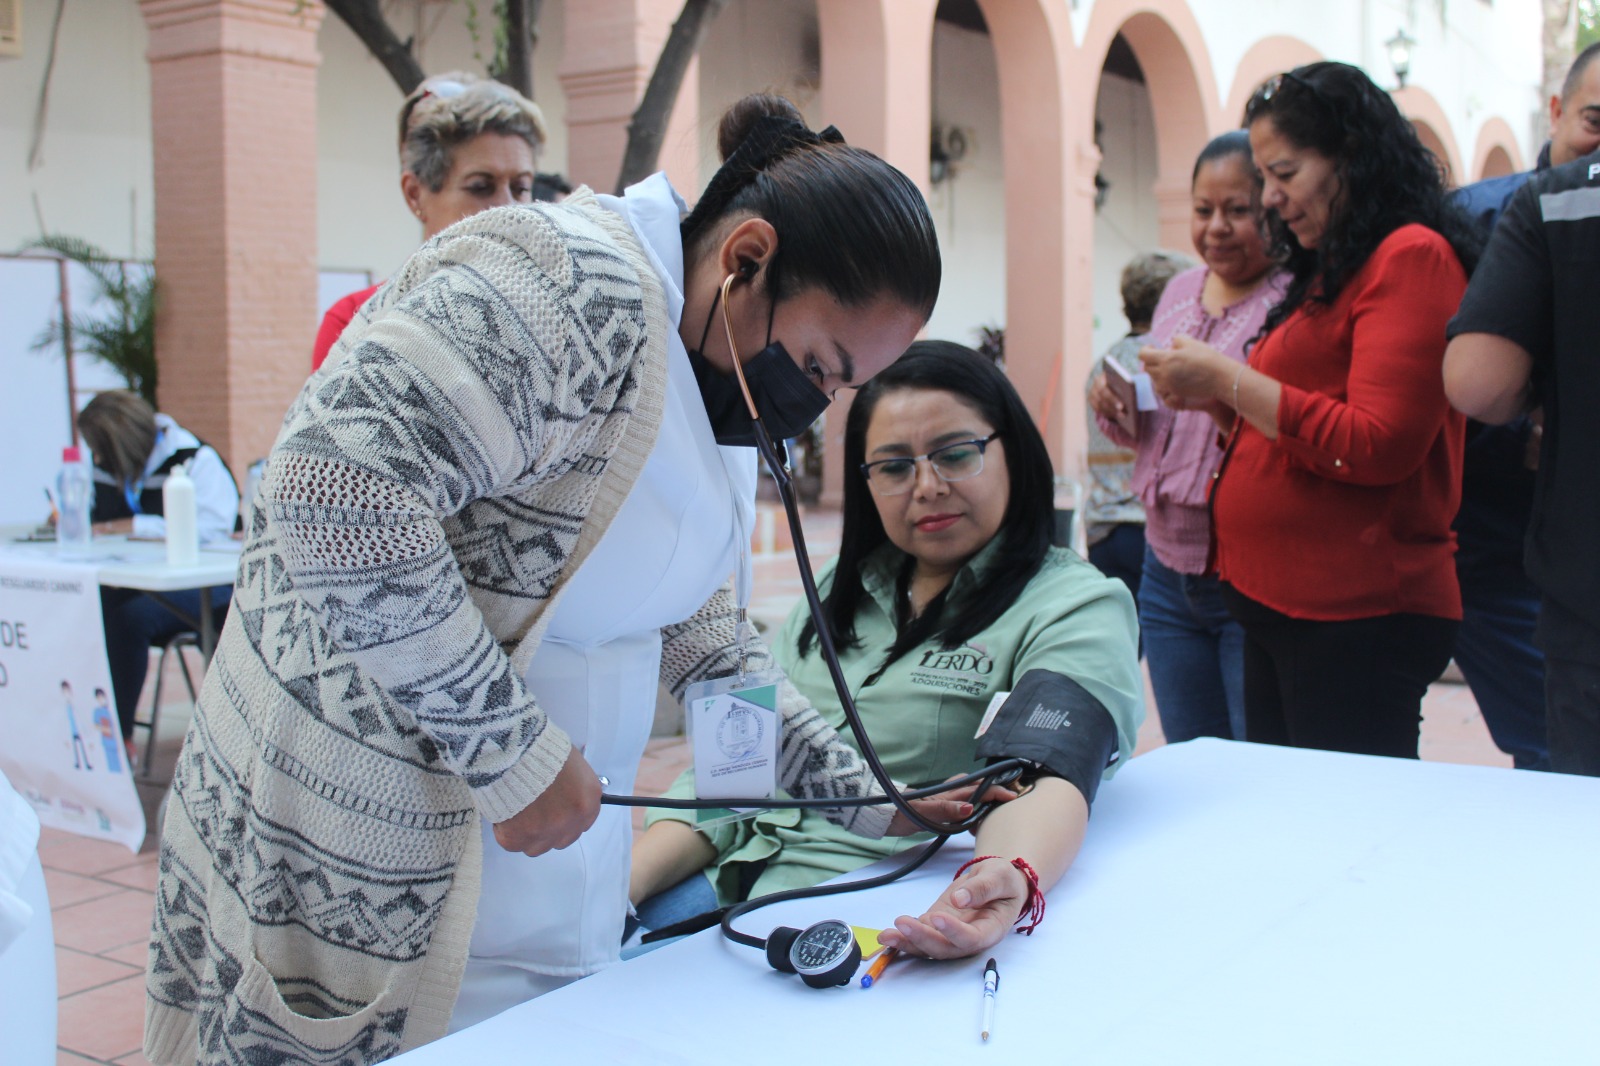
(665, 854)
(1255, 396)
(1045, 827)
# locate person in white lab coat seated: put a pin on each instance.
(135, 450)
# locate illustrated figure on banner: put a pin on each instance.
(105, 725)
(80, 752)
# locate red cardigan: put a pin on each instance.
(334, 322)
(1347, 514)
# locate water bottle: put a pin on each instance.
(252, 485)
(177, 506)
(74, 494)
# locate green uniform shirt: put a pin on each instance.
(923, 711)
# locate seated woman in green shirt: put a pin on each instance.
(945, 592)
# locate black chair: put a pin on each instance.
(174, 646)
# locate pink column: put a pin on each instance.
(233, 111)
(877, 62)
(607, 58)
(1187, 112)
(1050, 160)
(1174, 204)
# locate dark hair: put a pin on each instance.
(550, 187)
(120, 429)
(1387, 179)
(1025, 530)
(1144, 279)
(1222, 146)
(1575, 73)
(847, 222)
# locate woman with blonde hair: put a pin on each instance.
(466, 144)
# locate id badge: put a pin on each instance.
(733, 726)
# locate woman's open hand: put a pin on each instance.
(970, 916)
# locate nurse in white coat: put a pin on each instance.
(545, 921)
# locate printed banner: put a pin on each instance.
(59, 740)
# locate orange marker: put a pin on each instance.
(880, 964)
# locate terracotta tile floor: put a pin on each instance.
(101, 895)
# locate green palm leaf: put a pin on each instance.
(124, 335)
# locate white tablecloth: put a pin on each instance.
(1234, 904)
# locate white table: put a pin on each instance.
(142, 565)
(1234, 904)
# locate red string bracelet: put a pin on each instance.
(1033, 906)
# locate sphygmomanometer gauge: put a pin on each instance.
(824, 954)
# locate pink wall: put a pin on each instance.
(877, 59)
(233, 110)
(607, 58)
(1268, 56)
(1433, 127)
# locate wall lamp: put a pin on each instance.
(1400, 46)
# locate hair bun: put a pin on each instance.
(740, 119)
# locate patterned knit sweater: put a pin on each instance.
(432, 489)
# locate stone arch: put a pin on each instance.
(1433, 127)
(1434, 143)
(1047, 286)
(1496, 153)
(1268, 56)
(1177, 68)
(875, 57)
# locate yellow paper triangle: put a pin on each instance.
(867, 938)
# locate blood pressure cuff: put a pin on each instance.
(1052, 721)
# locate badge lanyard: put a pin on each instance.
(733, 722)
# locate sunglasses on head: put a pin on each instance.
(1275, 86)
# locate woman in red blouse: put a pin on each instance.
(1332, 510)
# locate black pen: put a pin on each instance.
(991, 985)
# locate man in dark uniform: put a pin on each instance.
(1496, 647)
(1528, 335)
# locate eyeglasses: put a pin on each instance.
(1274, 86)
(952, 462)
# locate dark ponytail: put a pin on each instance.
(847, 222)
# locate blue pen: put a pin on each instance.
(991, 985)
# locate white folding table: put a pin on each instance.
(142, 565)
(1234, 903)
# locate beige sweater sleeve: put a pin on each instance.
(813, 761)
(471, 374)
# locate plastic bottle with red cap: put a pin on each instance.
(74, 495)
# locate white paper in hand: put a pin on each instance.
(1145, 391)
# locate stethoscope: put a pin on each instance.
(820, 953)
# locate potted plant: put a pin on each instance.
(124, 335)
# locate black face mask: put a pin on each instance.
(788, 400)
